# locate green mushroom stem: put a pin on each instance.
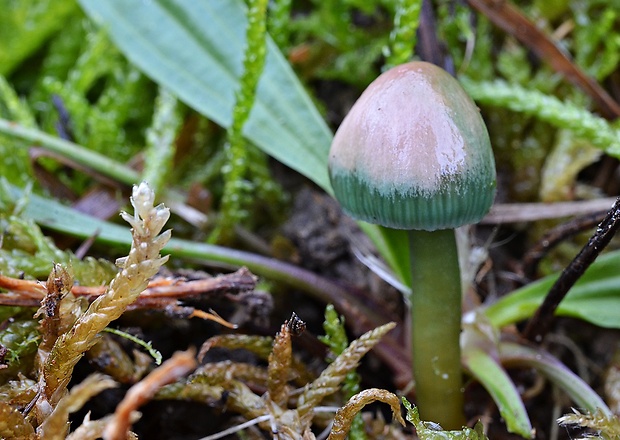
(436, 325)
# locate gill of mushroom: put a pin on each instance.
(413, 153)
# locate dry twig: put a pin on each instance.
(180, 364)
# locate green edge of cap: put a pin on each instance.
(455, 204)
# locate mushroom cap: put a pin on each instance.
(414, 153)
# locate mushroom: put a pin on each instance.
(414, 153)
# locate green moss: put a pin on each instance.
(26, 26)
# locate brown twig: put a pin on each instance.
(211, 316)
(161, 294)
(540, 323)
(555, 236)
(27, 293)
(180, 364)
(529, 212)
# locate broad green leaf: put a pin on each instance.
(595, 298)
(195, 49)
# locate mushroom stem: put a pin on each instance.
(436, 326)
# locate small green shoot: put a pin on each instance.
(148, 346)
(238, 184)
(432, 431)
(403, 37)
(336, 339)
(479, 342)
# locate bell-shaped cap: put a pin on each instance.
(414, 153)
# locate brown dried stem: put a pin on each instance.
(330, 379)
(345, 415)
(28, 293)
(180, 364)
(279, 366)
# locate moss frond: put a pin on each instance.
(330, 379)
(577, 119)
(142, 263)
(336, 339)
(403, 36)
(160, 141)
(345, 415)
(604, 427)
(238, 184)
(279, 366)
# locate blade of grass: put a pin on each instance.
(82, 156)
